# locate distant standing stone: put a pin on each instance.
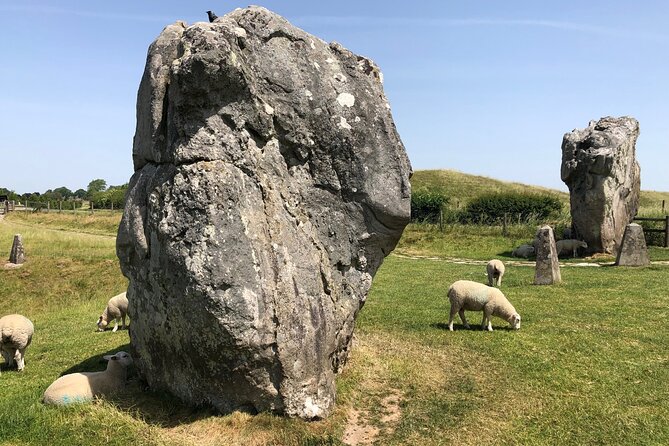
(600, 168)
(548, 268)
(633, 250)
(17, 255)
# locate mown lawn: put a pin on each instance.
(589, 365)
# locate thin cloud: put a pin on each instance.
(49, 10)
(355, 21)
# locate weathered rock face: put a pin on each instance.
(547, 270)
(599, 166)
(17, 255)
(633, 250)
(269, 184)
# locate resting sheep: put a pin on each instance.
(495, 270)
(474, 296)
(525, 251)
(569, 246)
(117, 308)
(16, 333)
(83, 387)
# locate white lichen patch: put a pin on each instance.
(239, 32)
(311, 44)
(311, 410)
(346, 99)
(268, 109)
(357, 119)
(318, 67)
(329, 60)
(344, 124)
(309, 95)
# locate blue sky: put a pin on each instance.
(483, 87)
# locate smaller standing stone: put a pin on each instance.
(633, 251)
(548, 269)
(17, 255)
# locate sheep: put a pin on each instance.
(474, 296)
(525, 251)
(117, 308)
(84, 386)
(16, 334)
(569, 246)
(495, 270)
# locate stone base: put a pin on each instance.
(633, 250)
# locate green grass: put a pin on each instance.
(588, 366)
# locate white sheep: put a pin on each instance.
(474, 296)
(525, 251)
(495, 271)
(117, 308)
(83, 387)
(569, 246)
(16, 334)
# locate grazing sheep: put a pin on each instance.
(495, 270)
(570, 246)
(83, 387)
(524, 251)
(474, 296)
(16, 333)
(117, 308)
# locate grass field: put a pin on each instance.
(589, 365)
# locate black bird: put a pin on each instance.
(212, 16)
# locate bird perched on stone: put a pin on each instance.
(212, 16)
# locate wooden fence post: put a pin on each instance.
(666, 231)
(505, 231)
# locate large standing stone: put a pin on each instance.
(633, 250)
(599, 166)
(17, 255)
(547, 271)
(269, 184)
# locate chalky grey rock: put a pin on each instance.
(633, 250)
(270, 182)
(17, 255)
(599, 166)
(547, 271)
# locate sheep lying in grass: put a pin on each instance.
(16, 334)
(524, 251)
(569, 246)
(117, 308)
(495, 270)
(83, 387)
(474, 296)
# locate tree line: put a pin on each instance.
(97, 193)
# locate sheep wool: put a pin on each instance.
(569, 247)
(495, 270)
(16, 334)
(117, 309)
(83, 387)
(474, 296)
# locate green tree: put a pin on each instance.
(96, 186)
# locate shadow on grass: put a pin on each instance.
(139, 401)
(473, 327)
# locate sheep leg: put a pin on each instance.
(499, 281)
(123, 326)
(20, 359)
(450, 319)
(115, 325)
(486, 317)
(491, 280)
(463, 318)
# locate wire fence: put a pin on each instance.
(61, 206)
